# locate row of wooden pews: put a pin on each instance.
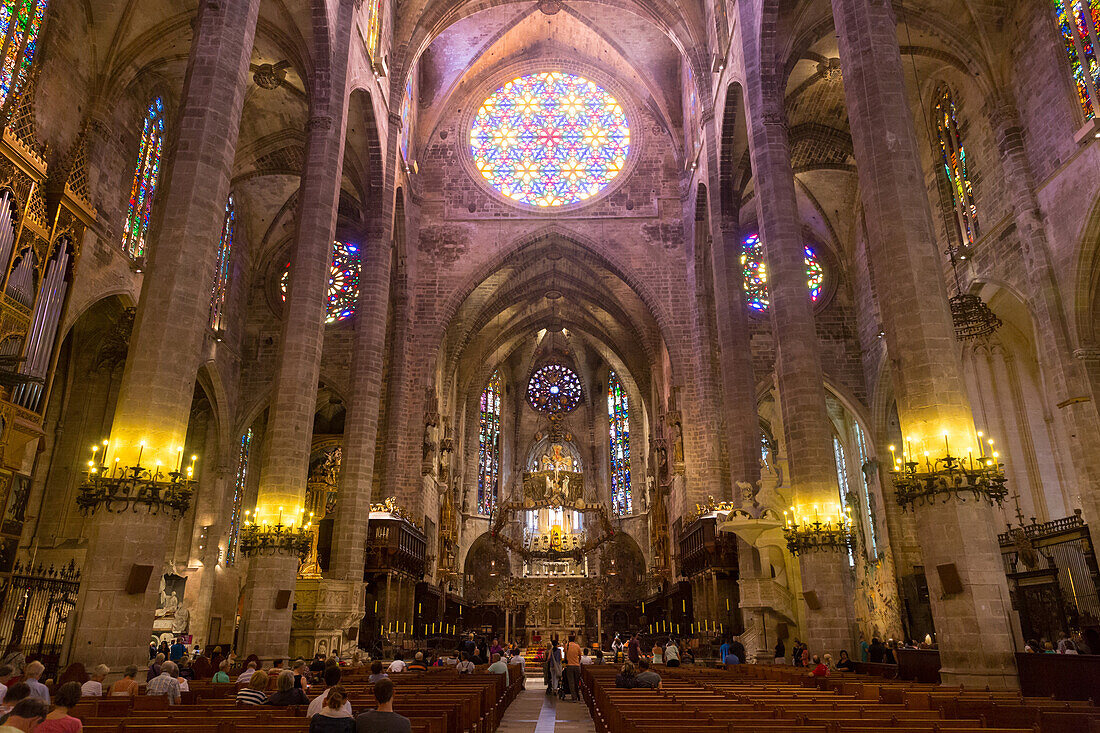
(780, 699)
(436, 701)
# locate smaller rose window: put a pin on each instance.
(554, 389)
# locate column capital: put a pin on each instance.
(320, 123)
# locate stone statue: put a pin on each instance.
(182, 619)
(171, 604)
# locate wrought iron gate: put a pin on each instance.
(1053, 574)
(35, 604)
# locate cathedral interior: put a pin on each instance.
(337, 325)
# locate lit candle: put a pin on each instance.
(115, 472)
(192, 467)
(981, 448)
(946, 445)
(103, 458)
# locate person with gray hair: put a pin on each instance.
(286, 693)
(31, 674)
(166, 684)
(94, 686)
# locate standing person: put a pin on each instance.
(672, 654)
(465, 666)
(176, 651)
(655, 652)
(724, 652)
(31, 674)
(876, 652)
(617, 650)
(573, 668)
(738, 650)
(555, 666)
(59, 720)
(780, 655)
(335, 715)
(127, 686)
(383, 719)
(634, 650)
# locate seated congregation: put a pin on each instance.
(247, 698)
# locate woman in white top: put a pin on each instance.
(398, 663)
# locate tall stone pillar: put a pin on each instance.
(265, 629)
(361, 427)
(110, 625)
(806, 424)
(735, 369)
(973, 626)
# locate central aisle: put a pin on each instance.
(536, 712)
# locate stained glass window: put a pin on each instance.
(374, 27)
(550, 139)
(869, 510)
(755, 273)
(21, 23)
(955, 165)
(554, 389)
(221, 274)
(842, 484)
(238, 498)
(488, 461)
(146, 175)
(343, 282)
(618, 414)
(406, 112)
(1078, 27)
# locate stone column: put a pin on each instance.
(154, 401)
(973, 627)
(361, 428)
(736, 378)
(265, 629)
(806, 424)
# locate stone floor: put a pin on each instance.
(536, 712)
